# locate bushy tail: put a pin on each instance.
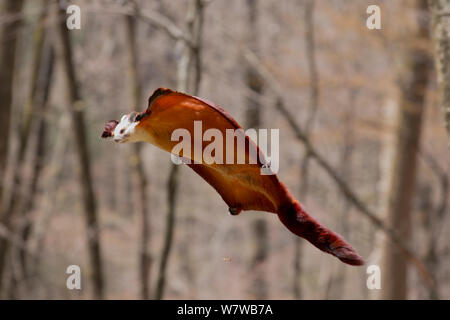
(302, 224)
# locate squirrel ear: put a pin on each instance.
(141, 115)
(109, 128)
(132, 117)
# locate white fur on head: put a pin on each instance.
(125, 130)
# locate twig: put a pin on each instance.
(342, 185)
(154, 18)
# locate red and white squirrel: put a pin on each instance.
(241, 186)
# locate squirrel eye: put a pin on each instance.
(122, 131)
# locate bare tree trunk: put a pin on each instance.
(323, 163)
(14, 202)
(312, 111)
(11, 10)
(140, 181)
(336, 280)
(79, 130)
(413, 84)
(433, 217)
(169, 232)
(440, 10)
(189, 67)
(50, 195)
(261, 251)
(253, 120)
(192, 61)
(39, 157)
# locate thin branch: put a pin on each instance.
(74, 101)
(191, 54)
(14, 239)
(342, 185)
(310, 51)
(153, 18)
(137, 164)
(442, 176)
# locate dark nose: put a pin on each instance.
(109, 128)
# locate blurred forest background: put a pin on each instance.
(363, 144)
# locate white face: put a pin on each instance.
(125, 129)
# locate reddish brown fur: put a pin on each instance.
(241, 186)
(109, 128)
